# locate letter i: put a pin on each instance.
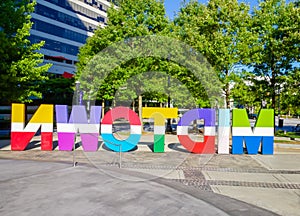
(223, 131)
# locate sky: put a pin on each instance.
(173, 6)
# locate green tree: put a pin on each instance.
(243, 91)
(289, 96)
(56, 91)
(132, 18)
(277, 25)
(220, 31)
(20, 69)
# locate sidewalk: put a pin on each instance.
(270, 182)
(48, 188)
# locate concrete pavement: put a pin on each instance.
(48, 188)
(148, 182)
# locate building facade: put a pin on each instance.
(65, 25)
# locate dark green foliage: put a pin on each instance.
(20, 70)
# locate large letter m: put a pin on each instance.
(262, 133)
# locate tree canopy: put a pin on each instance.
(130, 20)
(220, 31)
(252, 52)
(20, 69)
(277, 25)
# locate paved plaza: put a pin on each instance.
(171, 183)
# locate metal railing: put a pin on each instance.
(119, 145)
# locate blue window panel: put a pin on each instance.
(64, 18)
(55, 45)
(80, 10)
(58, 31)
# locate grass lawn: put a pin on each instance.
(281, 133)
(287, 141)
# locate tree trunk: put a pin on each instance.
(227, 99)
(140, 107)
(103, 107)
(227, 91)
(273, 82)
(133, 105)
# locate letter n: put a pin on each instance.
(20, 136)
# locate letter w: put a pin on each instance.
(78, 122)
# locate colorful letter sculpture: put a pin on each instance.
(262, 135)
(78, 122)
(206, 147)
(263, 132)
(159, 115)
(20, 136)
(223, 131)
(107, 133)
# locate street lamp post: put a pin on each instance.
(169, 127)
(278, 104)
(89, 106)
(77, 86)
(280, 121)
(89, 101)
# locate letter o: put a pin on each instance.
(135, 129)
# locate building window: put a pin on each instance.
(55, 45)
(64, 18)
(58, 31)
(80, 9)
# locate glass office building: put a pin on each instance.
(65, 25)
